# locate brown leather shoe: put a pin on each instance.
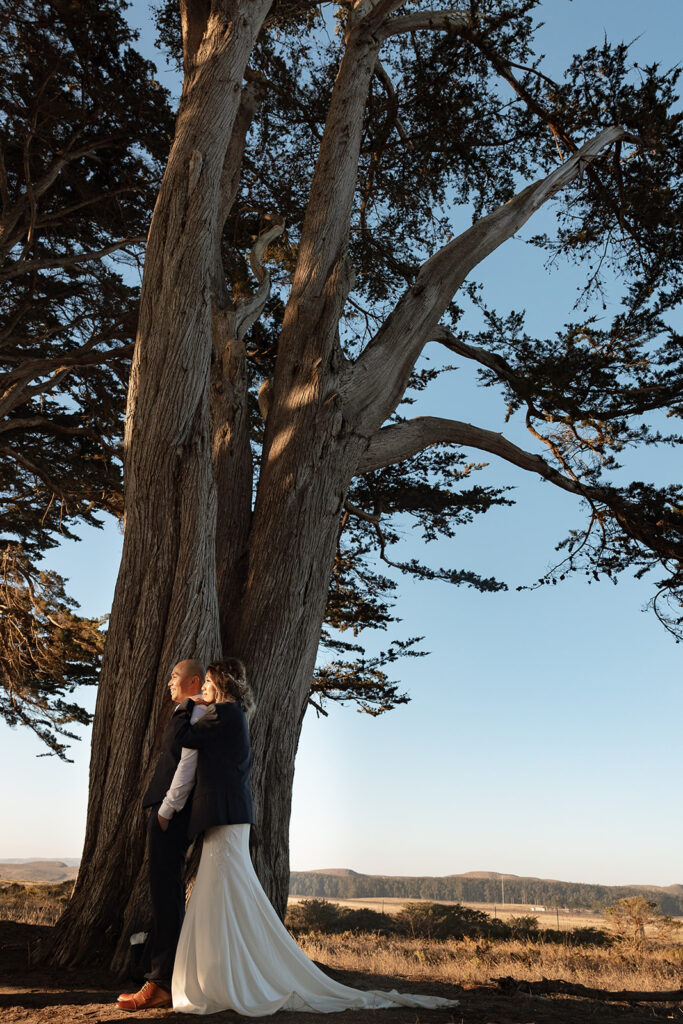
(149, 996)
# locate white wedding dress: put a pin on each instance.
(234, 952)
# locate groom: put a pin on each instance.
(168, 797)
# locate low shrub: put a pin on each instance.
(439, 921)
(363, 919)
(315, 915)
(319, 915)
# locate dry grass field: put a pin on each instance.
(568, 952)
(467, 968)
(33, 902)
(469, 962)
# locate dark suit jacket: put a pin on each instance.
(221, 795)
(169, 756)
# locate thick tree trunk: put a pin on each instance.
(308, 462)
(165, 606)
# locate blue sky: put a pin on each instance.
(543, 735)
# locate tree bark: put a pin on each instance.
(165, 605)
(292, 546)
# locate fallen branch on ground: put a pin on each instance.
(512, 985)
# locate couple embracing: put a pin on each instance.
(229, 951)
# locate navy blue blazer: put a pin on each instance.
(167, 762)
(222, 795)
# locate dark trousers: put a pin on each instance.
(167, 851)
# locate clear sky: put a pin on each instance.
(543, 735)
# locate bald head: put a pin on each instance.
(186, 679)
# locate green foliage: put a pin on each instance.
(630, 916)
(323, 916)
(523, 926)
(575, 937)
(84, 131)
(313, 915)
(440, 921)
(46, 650)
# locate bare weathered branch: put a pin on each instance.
(403, 440)
(435, 21)
(321, 279)
(570, 988)
(354, 510)
(252, 96)
(386, 81)
(247, 311)
(494, 362)
(375, 384)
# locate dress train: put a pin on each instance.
(234, 952)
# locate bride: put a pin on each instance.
(234, 952)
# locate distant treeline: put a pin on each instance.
(535, 891)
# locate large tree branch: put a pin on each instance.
(438, 21)
(375, 384)
(85, 355)
(403, 440)
(450, 20)
(15, 384)
(72, 260)
(10, 228)
(476, 353)
(504, 67)
(252, 96)
(194, 15)
(34, 469)
(531, 392)
(44, 426)
(321, 279)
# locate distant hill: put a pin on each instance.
(339, 872)
(30, 860)
(37, 871)
(479, 887)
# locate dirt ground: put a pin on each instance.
(35, 996)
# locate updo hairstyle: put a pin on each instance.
(230, 679)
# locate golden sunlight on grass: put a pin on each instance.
(470, 962)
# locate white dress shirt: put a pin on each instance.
(183, 779)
